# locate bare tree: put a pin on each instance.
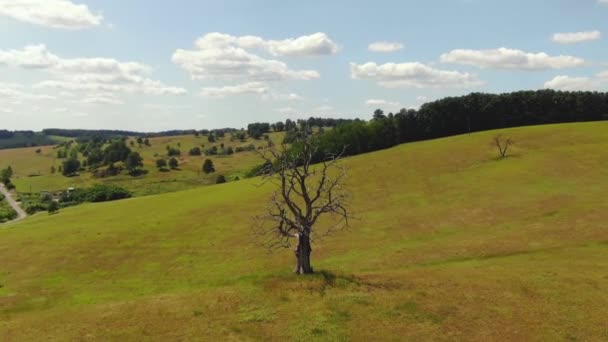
(502, 144)
(304, 193)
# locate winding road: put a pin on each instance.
(20, 213)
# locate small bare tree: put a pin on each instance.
(502, 144)
(304, 193)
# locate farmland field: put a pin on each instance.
(452, 243)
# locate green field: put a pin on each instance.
(451, 244)
(33, 170)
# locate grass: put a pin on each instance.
(7, 213)
(452, 244)
(33, 170)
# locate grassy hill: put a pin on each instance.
(451, 244)
(33, 170)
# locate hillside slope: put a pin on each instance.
(451, 244)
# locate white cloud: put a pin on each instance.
(14, 94)
(568, 83)
(62, 14)
(313, 45)
(576, 37)
(87, 74)
(287, 110)
(504, 58)
(380, 102)
(385, 47)
(603, 74)
(224, 57)
(102, 99)
(415, 75)
(245, 88)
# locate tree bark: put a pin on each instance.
(302, 253)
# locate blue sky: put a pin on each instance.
(156, 65)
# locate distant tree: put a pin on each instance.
(147, 142)
(74, 153)
(95, 157)
(196, 134)
(53, 207)
(5, 175)
(256, 130)
(70, 167)
(38, 151)
(379, 114)
(195, 151)
(208, 166)
(172, 151)
(211, 138)
(290, 125)
(220, 179)
(502, 144)
(117, 151)
(132, 143)
(134, 162)
(140, 140)
(173, 163)
(161, 163)
(52, 169)
(279, 126)
(229, 150)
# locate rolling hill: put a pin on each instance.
(33, 170)
(451, 243)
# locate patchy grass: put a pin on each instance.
(451, 244)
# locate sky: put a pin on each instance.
(150, 65)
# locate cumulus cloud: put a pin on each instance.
(576, 37)
(15, 94)
(87, 74)
(381, 103)
(504, 58)
(61, 14)
(316, 44)
(245, 88)
(385, 47)
(313, 45)
(414, 75)
(568, 83)
(225, 57)
(100, 99)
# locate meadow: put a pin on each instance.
(33, 170)
(452, 243)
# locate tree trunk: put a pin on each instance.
(302, 253)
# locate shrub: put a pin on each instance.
(173, 163)
(220, 179)
(99, 193)
(208, 166)
(195, 151)
(53, 207)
